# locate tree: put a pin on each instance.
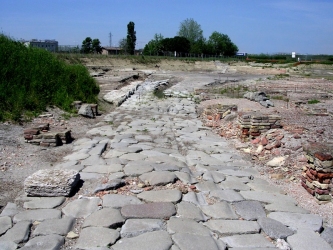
(131, 38)
(191, 30)
(179, 44)
(86, 45)
(154, 47)
(221, 44)
(96, 46)
(123, 44)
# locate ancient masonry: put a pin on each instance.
(214, 113)
(254, 124)
(316, 176)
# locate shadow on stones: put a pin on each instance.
(77, 188)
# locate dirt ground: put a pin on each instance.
(289, 87)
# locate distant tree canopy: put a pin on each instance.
(91, 46)
(131, 38)
(190, 39)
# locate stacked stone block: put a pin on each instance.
(317, 175)
(254, 124)
(41, 136)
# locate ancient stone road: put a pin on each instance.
(189, 190)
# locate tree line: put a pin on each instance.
(189, 39)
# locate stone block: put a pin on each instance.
(51, 182)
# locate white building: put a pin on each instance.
(50, 45)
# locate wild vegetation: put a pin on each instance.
(31, 79)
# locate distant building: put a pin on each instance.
(50, 45)
(112, 50)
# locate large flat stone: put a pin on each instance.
(118, 201)
(274, 229)
(306, 239)
(226, 195)
(51, 182)
(48, 242)
(297, 221)
(207, 186)
(135, 227)
(186, 241)
(159, 240)
(195, 198)
(55, 226)
(256, 241)
(103, 169)
(156, 210)
(220, 210)
(18, 233)
(96, 237)
(250, 210)
(266, 197)
(8, 245)
(82, 208)
(214, 176)
(43, 202)
(230, 227)
(137, 168)
(10, 209)
(39, 215)
(106, 217)
(327, 235)
(180, 225)
(285, 207)
(158, 177)
(161, 196)
(5, 224)
(190, 211)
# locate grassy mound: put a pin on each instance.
(31, 79)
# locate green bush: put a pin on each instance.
(314, 101)
(32, 78)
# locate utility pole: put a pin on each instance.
(110, 39)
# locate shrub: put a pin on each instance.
(32, 78)
(313, 101)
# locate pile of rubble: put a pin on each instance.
(260, 97)
(318, 173)
(213, 114)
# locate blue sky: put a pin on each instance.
(255, 26)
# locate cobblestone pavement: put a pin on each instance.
(155, 178)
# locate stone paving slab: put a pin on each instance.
(10, 209)
(5, 224)
(161, 196)
(48, 242)
(18, 233)
(256, 241)
(37, 215)
(103, 169)
(190, 211)
(180, 225)
(43, 202)
(8, 245)
(186, 241)
(274, 229)
(55, 226)
(96, 237)
(220, 210)
(159, 240)
(135, 227)
(118, 201)
(106, 217)
(230, 227)
(307, 240)
(82, 208)
(226, 195)
(158, 178)
(156, 210)
(250, 210)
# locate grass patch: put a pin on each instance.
(32, 79)
(313, 101)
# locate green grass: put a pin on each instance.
(313, 101)
(31, 79)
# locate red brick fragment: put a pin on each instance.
(31, 131)
(323, 156)
(264, 141)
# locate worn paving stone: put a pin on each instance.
(48, 242)
(10, 209)
(158, 178)
(256, 241)
(207, 186)
(98, 149)
(130, 149)
(180, 225)
(236, 185)
(55, 226)
(117, 175)
(220, 210)
(238, 173)
(327, 235)
(106, 217)
(103, 169)
(137, 168)
(186, 178)
(285, 207)
(96, 237)
(190, 211)
(165, 167)
(158, 240)
(156, 210)
(93, 160)
(274, 229)
(226, 195)
(195, 198)
(230, 227)
(297, 221)
(118, 201)
(82, 208)
(186, 241)
(39, 215)
(5, 224)
(258, 184)
(250, 210)
(133, 156)
(8, 245)
(168, 195)
(90, 176)
(135, 227)
(214, 176)
(266, 197)
(43, 202)
(305, 239)
(76, 156)
(111, 184)
(18, 233)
